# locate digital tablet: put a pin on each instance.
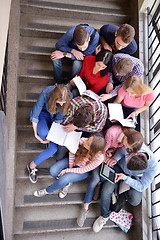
(107, 172)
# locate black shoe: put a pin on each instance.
(32, 174)
(119, 204)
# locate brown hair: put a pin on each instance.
(97, 145)
(135, 83)
(123, 66)
(126, 32)
(83, 116)
(138, 161)
(80, 35)
(59, 93)
(134, 139)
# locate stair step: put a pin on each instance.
(36, 79)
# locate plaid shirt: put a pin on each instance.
(100, 113)
(137, 69)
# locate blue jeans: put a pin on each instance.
(132, 196)
(43, 127)
(58, 70)
(67, 178)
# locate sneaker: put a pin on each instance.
(32, 174)
(82, 217)
(64, 191)
(40, 193)
(119, 204)
(99, 223)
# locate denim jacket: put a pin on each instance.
(146, 175)
(42, 105)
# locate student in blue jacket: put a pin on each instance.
(51, 106)
(75, 44)
(137, 170)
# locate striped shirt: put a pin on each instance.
(86, 164)
(138, 69)
(100, 113)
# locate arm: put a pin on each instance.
(118, 99)
(34, 125)
(139, 110)
(94, 163)
(105, 44)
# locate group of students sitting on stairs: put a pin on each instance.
(103, 61)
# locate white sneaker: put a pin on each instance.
(99, 223)
(40, 193)
(64, 191)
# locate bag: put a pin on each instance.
(123, 219)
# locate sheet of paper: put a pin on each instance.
(80, 84)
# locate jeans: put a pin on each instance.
(43, 127)
(132, 196)
(58, 70)
(74, 90)
(127, 111)
(67, 178)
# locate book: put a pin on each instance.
(83, 90)
(116, 113)
(58, 135)
(107, 172)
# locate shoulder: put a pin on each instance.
(131, 48)
(122, 91)
(109, 28)
(89, 58)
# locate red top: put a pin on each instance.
(93, 82)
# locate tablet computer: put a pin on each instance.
(107, 172)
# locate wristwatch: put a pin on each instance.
(64, 54)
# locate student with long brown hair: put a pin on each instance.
(51, 106)
(116, 136)
(134, 96)
(90, 155)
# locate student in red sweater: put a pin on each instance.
(95, 71)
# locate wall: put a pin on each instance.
(4, 20)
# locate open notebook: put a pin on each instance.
(116, 113)
(58, 135)
(82, 88)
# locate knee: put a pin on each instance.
(134, 197)
(42, 133)
(52, 148)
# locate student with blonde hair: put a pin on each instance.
(134, 96)
(51, 106)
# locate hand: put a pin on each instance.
(61, 173)
(107, 47)
(98, 49)
(104, 97)
(72, 83)
(78, 55)
(56, 55)
(70, 127)
(41, 140)
(110, 161)
(133, 116)
(109, 87)
(118, 176)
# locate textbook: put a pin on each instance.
(58, 135)
(116, 113)
(82, 88)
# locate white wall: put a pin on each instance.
(4, 21)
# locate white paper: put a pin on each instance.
(58, 135)
(116, 113)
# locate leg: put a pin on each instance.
(58, 71)
(133, 197)
(92, 184)
(47, 153)
(57, 167)
(44, 125)
(76, 67)
(61, 152)
(106, 196)
(65, 180)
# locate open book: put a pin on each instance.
(116, 113)
(82, 88)
(58, 135)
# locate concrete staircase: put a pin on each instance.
(42, 23)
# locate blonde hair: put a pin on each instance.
(135, 83)
(59, 93)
